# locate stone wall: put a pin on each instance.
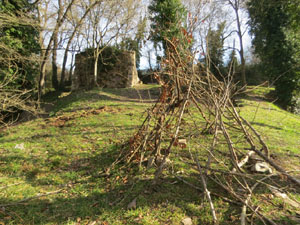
(122, 74)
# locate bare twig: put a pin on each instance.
(6, 186)
(212, 209)
(33, 197)
(195, 104)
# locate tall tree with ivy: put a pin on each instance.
(215, 50)
(167, 17)
(233, 63)
(18, 42)
(275, 27)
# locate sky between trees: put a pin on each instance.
(213, 12)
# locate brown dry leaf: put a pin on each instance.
(233, 218)
(95, 204)
(125, 180)
(175, 143)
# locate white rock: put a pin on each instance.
(20, 146)
(262, 167)
(187, 221)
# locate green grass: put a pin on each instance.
(68, 152)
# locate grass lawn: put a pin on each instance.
(51, 169)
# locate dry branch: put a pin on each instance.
(186, 90)
(211, 205)
(33, 197)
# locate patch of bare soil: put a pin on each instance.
(60, 121)
(138, 94)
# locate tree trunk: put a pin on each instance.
(96, 69)
(149, 61)
(54, 65)
(243, 66)
(47, 52)
(62, 79)
(240, 35)
(71, 69)
(42, 79)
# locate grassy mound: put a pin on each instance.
(51, 169)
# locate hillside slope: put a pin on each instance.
(52, 169)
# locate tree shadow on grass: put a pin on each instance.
(97, 201)
(266, 125)
(105, 200)
(164, 203)
(88, 194)
(129, 95)
(56, 101)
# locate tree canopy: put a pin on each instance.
(167, 17)
(276, 40)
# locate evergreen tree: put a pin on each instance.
(232, 63)
(275, 26)
(215, 50)
(167, 17)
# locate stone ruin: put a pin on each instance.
(121, 74)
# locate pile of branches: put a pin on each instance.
(13, 101)
(196, 112)
(16, 89)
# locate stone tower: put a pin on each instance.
(122, 74)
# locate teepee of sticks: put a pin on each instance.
(194, 106)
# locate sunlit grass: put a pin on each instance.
(69, 151)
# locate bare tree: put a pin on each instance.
(55, 46)
(46, 53)
(75, 47)
(238, 6)
(110, 21)
(203, 16)
(77, 25)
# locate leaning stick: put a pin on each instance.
(33, 197)
(244, 160)
(266, 149)
(159, 170)
(244, 208)
(212, 209)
